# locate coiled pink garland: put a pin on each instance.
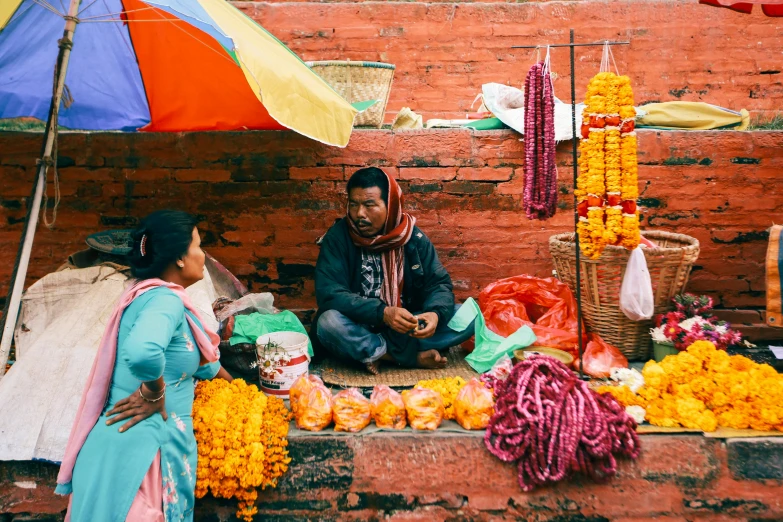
(551, 424)
(540, 193)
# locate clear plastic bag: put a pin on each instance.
(474, 405)
(636, 293)
(350, 410)
(424, 408)
(301, 387)
(315, 410)
(387, 408)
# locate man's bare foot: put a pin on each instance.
(431, 359)
(373, 367)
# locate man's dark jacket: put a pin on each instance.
(338, 281)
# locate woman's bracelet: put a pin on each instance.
(162, 393)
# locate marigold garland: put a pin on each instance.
(242, 438)
(704, 388)
(607, 186)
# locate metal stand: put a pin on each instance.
(571, 46)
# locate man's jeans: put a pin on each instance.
(348, 340)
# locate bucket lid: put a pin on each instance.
(284, 339)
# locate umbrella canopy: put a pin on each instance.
(163, 65)
(769, 7)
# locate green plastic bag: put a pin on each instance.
(489, 346)
(248, 328)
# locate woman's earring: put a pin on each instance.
(180, 264)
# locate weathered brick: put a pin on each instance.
(212, 176)
(484, 174)
(428, 173)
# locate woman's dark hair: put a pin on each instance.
(369, 177)
(166, 237)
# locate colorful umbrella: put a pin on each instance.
(163, 65)
(769, 7)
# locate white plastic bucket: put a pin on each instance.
(295, 345)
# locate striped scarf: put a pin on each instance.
(396, 234)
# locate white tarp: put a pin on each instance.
(60, 326)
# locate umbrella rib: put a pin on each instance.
(83, 9)
(104, 15)
(125, 36)
(94, 20)
(46, 5)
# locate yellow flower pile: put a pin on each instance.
(704, 388)
(242, 438)
(607, 186)
(448, 388)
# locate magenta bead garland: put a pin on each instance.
(553, 425)
(540, 192)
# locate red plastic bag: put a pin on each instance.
(545, 305)
(600, 358)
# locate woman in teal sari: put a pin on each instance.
(131, 455)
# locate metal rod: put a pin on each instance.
(15, 294)
(572, 44)
(576, 212)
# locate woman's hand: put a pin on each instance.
(136, 408)
(223, 374)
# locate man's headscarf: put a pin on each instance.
(390, 243)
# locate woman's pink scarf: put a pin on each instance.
(97, 390)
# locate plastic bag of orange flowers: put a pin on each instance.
(314, 412)
(351, 411)
(474, 405)
(424, 407)
(387, 408)
(301, 387)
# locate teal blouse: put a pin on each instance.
(154, 340)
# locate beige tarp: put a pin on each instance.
(60, 326)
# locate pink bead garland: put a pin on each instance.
(540, 192)
(552, 425)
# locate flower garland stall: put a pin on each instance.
(607, 186)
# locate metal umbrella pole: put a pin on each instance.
(14, 298)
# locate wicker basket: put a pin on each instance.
(358, 82)
(669, 265)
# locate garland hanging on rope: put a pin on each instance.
(540, 194)
(607, 186)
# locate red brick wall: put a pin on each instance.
(264, 197)
(444, 51)
(450, 478)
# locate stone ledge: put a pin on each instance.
(756, 459)
(449, 476)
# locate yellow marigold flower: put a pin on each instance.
(448, 388)
(241, 435)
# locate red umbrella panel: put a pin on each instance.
(769, 7)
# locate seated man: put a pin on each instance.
(382, 293)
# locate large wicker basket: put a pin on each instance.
(669, 265)
(358, 82)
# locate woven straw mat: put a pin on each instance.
(347, 375)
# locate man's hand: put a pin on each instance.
(399, 319)
(431, 320)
